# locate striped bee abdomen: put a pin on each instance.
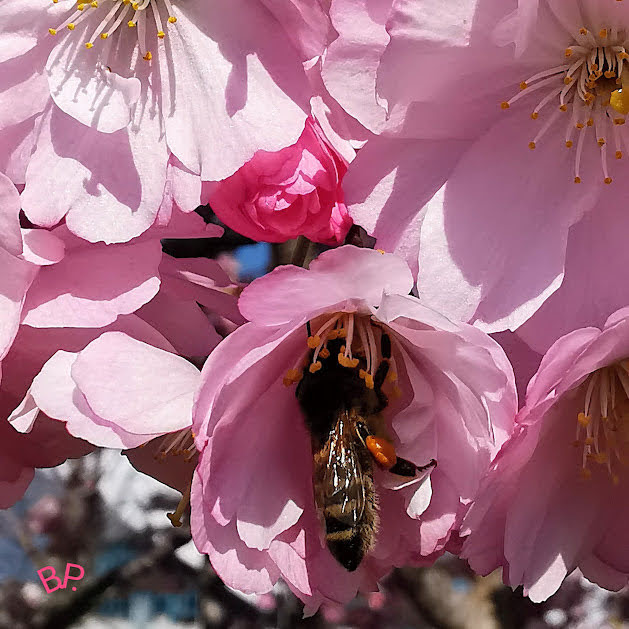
(345, 494)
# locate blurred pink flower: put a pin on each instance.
(293, 192)
(253, 510)
(554, 498)
(509, 225)
(98, 116)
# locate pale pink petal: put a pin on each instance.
(469, 241)
(94, 284)
(305, 22)
(42, 247)
(56, 394)
(352, 60)
(386, 197)
(113, 199)
(335, 278)
(10, 235)
(589, 291)
(86, 89)
(238, 86)
(15, 279)
(138, 387)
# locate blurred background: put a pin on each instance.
(101, 514)
(140, 572)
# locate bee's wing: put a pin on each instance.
(344, 474)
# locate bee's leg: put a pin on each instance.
(363, 432)
(404, 467)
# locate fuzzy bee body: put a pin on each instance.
(345, 494)
(342, 409)
(336, 403)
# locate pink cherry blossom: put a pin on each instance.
(293, 192)
(77, 296)
(554, 498)
(253, 510)
(495, 242)
(102, 103)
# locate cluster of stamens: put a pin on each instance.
(603, 425)
(360, 339)
(179, 443)
(113, 14)
(590, 84)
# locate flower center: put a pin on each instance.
(588, 87)
(603, 425)
(110, 16)
(362, 348)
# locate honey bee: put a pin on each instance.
(348, 436)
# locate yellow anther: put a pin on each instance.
(601, 458)
(52, 31)
(534, 115)
(362, 373)
(80, 7)
(602, 33)
(381, 251)
(161, 34)
(568, 52)
(314, 367)
(583, 31)
(104, 35)
(130, 23)
(148, 56)
(577, 180)
(342, 359)
(333, 335)
(369, 381)
(563, 107)
(609, 74)
(624, 55)
(523, 85)
(71, 26)
(608, 180)
(583, 419)
(618, 154)
(504, 105)
(324, 353)
(89, 45)
(569, 144)
(94, 3)
(601, 141)
(135, 5)
(353, 362)
(585, 473)
(579, 125)
(619, 121)
(531, 145)
(313, 341)
(342, 333)
(342, 350)
(567, 80)
(590, 122)
(619, 100)
(589, 441)
(292, 376)
(172, 19)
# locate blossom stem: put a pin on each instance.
(300, 252)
